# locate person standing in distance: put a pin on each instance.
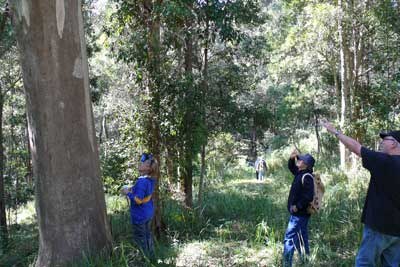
(381, 212)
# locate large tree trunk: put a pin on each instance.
(70, 202)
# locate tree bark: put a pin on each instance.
(70, 202)
(28, 159)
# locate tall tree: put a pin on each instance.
(153, 86)
(140, 22)
(344, 82)
(5, 44)
(70, 202)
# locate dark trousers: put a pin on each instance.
(143, 238)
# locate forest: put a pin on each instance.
(209, 88)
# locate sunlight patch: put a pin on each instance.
(193, 254)
(222, 253)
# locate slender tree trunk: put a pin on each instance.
(13, 158)
(154, 79)
(357, 84)
(188, 179)
(3, 218)
(343, 80)
(202, 176)
(70, 202)
(316, 119)
(170, 161)
(188, 123)
(101, 131)
(203, 108)
(3, 21)
(337, 89)
(104, 126)
(253, 141)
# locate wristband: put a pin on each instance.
(336, 133)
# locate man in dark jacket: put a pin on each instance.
(381, 212)
(301, 194)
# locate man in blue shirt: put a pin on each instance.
(381, 212)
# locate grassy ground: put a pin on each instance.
(242, 223)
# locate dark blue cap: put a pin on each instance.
(307, 159)
(146, 156)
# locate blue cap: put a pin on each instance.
(307, 159)
(146, 156)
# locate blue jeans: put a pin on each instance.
(296, 238)
(143, 238)
(376, 246)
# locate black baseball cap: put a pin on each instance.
(394, 134)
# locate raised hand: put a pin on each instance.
(294, 153)
(329, 127)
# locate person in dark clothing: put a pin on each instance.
(300, 195)
(381, 212)
(256, 167)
